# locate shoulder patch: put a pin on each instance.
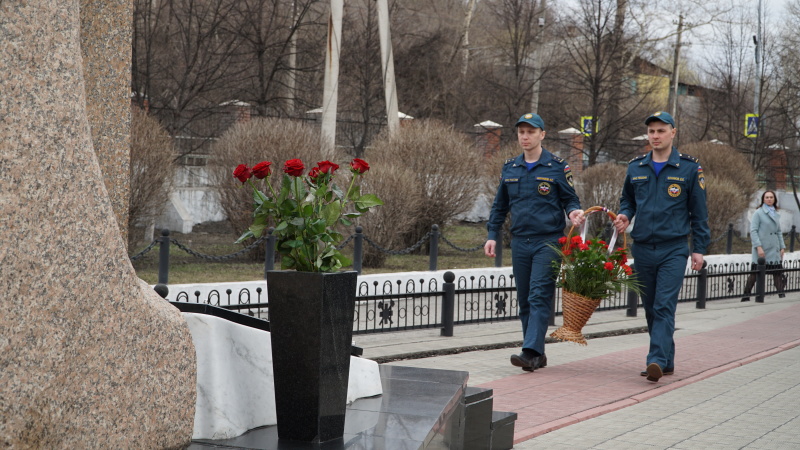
(689, 157)
(637, 158)
(557, 159)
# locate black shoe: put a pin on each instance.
(745, 299)
(539, 362)
(524, 361)
(667, 371)
(781, 295)
(654, 372)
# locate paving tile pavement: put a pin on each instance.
(584, 385)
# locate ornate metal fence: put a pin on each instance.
(396, 305)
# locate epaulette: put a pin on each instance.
(557, 159)
(637, 158)
(509, 160)
(689, 157)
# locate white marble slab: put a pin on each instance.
(235, 390)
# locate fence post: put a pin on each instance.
(163, 258)
(633, 304)
(729, 245)
(702, 282)
(498, 251)
(434, 249)
(448, 304)
(162, 290)
(269, 252)
(792, 236)
(358, 250)
(761, 281)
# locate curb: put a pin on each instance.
(499, 345)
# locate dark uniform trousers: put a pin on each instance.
(660, 268)
(535, 277)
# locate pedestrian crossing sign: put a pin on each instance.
(751, 125)
(588, 125)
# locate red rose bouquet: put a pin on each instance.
(306, 210)
(587, 268)
(588, 271)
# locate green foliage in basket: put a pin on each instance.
(587, 268)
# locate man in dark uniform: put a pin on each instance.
(665, 190)
(537, 188)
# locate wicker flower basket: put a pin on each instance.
(576, 309)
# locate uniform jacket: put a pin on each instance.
(537, 199)
(765, 232)
(668, 206)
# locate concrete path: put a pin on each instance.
(734, 384)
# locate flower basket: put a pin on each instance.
(589, 271)
(577, 310)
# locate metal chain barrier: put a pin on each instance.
(400, 252)
(719, 238)
(344, 244)
(220, 257)
(473, 249)
(143, 252)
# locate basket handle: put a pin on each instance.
(611, 215)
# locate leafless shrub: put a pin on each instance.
(724, 161)
(725, 203)
(445, 165)
(386, 225)
(600, 185)
(152, 171)
(275, 140)
(725, 169)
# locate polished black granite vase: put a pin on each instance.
(311, 326)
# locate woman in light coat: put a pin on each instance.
(767, 239)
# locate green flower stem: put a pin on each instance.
(349, 189)
(305, 247)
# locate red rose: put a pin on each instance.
(609, 266)
(242, 172)
(262, 170)
(327, 167)
(359, 166)
(294, 167)
(314, 173)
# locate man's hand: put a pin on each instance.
(488, 248)
(621, 223)
(577, 217)
(697, 261)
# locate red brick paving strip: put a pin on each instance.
(559, 396)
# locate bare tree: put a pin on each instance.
(281, 43)
(152, 171)
(183, 52)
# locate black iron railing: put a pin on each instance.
(404, 305)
